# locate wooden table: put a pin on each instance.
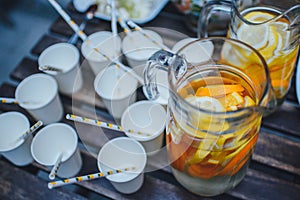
(274, 172)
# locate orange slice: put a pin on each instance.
(218, 90)
(248, 101)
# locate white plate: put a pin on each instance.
(156, 7)
(298, 79)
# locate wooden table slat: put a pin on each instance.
(16, 183)
(45, 42)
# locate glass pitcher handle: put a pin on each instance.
(162, 60)
(210, 8)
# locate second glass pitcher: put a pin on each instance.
(270, 30)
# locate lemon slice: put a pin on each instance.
(274, 42)
(231, 56)
(248, 101)
(256, 36)
(257, 16)
(283, 39)
(281, 28)
(207, 103)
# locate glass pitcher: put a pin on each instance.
(214, 110)
(271, 31)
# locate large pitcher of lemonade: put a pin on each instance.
(270, 30)
(214, 110)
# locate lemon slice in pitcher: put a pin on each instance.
(206, 103)
(274, 43)
(280, 28)
(256, 36)
(258, 16)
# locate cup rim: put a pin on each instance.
(40, 133)
(65, 45)
(128, 54)
(157, 133)
(136, 173)
(12, 147)
(178, 45)
(104, 96)
(86, 53)
(29, 78)
(127, 50)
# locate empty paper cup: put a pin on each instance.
(194, 53)
(52, 141)
(119, 153)
(38, 94)
(106, 43)
(137, 49)
(149, 118)
(65, 57)
(116, 88)
(14, 125)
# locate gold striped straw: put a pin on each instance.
(56, 166)
(138, 28)
(88, 177)
(113, 18)
(120, 65)
(83, 36)
(14, 101)
(123, 24)
(8, 100)
(104, 124)
(68, 19)
(31, 130)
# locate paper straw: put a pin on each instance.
(31, 130)
(123, 25)
(104, 124)
(113, 18)
(88, 177)
(14, 101)
(114, 31)
(138, 28)
(50, 68)
(68, 19)
(8, 100)
(120, 65)
(56, 166)
(83, 36)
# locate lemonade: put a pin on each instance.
(276, 42)
(210, 154)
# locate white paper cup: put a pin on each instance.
(14, 125)
(51, 141)
(65, 57)
(41, 93)
(137, 49)
(120, 153)
(106, 43)
(116, 88)
(146, 117)
(195, 53)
